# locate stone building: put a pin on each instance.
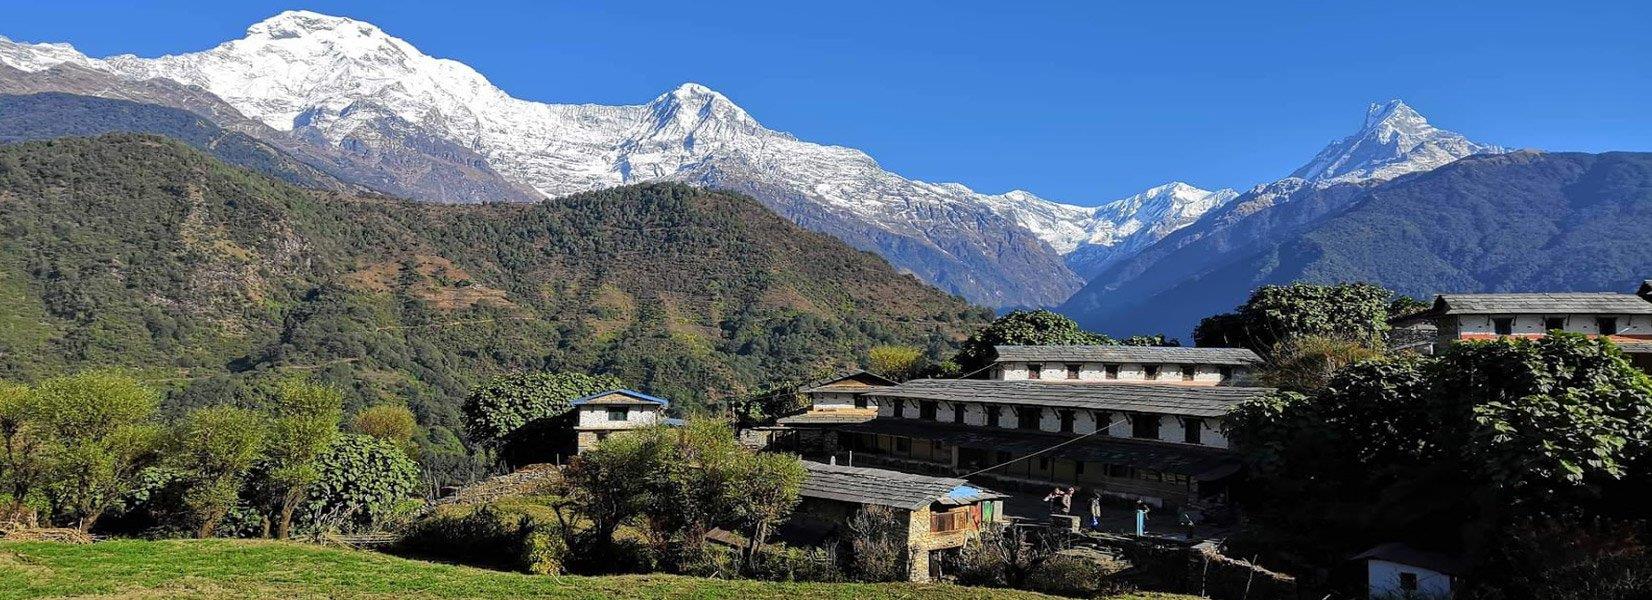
(934, 515)
(1626, 319)
(1164, 444)
(602, 414)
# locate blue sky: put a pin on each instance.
(1082, 101)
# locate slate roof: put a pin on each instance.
(1159, 398)
(1407, 555)
(851, 381)
(635, 396)
(1129, 354)
(829, 417)
(1636, 347)
(1541, 303)
(882, 487)
(1199, 462)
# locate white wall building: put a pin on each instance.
(603, 413)
(1125, 364)
(1399, 572)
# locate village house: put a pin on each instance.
(602, 414)
(934, 515)
(1626, 319)
(1395, 571)
(1164, 444)
(1124, 364)
(832, 401)
(1141, 423)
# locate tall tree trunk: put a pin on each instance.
(289, 504)
(210, 525)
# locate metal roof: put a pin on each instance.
(1156, 398)
(882, 487)
(1542, 303)
(639, 397)
(1129, 354)
(1199, 462)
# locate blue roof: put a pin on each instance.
(631, 393)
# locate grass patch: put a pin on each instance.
(247, 569)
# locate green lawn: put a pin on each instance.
(247, 569)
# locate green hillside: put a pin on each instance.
(139, 251)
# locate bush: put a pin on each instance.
(1066, 575)
(877, 546)
(505, 535)
(785, 563)
(364, 482)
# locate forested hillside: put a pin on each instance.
(1524, 221)
(140, 251)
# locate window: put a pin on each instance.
(1066, 421)
(992, 416)
(1553, 323)
(1078, 468)
(926, 410)
(1408, 581)
(1043, 464)
(1144, 426)
(903, 444)
(1121, 471)
(958, 413)
(955, 520)
(1072, 371)
(1151, 371)
(1607, 325)
(1191, 430)
(1112, 371)
(1503, 325)
(860, 401)
(1035, 371)
(1026, 418)
(1226, 372)
(900, 408)
(618, 413)
(1104, 423)
(1188, 372)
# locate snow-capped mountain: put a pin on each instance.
(437, 130)
(346, 83)
(1395, 140)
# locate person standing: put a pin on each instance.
(1141, 517)
(1187, 523)
(1095, 510)
(1067, 500)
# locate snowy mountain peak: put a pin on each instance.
(692, 104)
(37, 57)
(1394, 115)
(301, 23)
(1394, 140)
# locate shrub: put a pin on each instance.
(1067, 575)
(504, 535)
(877, 546)
(363, 482)
(393, 423)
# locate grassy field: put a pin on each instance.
(246, 569)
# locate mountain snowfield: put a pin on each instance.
(338, 81)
